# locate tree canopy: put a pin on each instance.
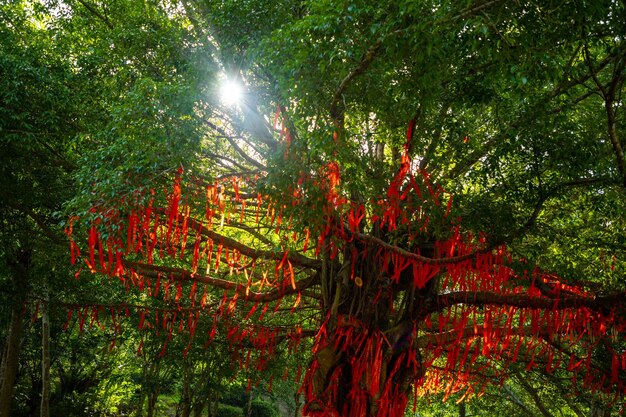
(421, 196)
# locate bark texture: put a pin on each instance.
(20, 270)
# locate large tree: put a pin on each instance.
(36, 127)
(329, 189)
(59, 101)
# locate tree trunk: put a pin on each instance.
(139, 409)
(10, 360)
(186, 397)
(152, 400)
(364, 360)
(45, 360)
(370, 379)
(211, 409)
(20, 268)
(248, 410)
(212, 401)
(598, 410)
(198, 407)
(297, 402)
(186, 409)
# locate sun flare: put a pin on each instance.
(231, 92)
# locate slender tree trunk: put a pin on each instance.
(139, 409)
(152, 400)
(248, 410)
(213, 401)
(200, 398)
(186, 397)
(211, 409)
(298, 404)
(10, 361)
(152, 385)
(198, 407)
(186, 409)
(45, 360)
(598, 410)
(462, 411)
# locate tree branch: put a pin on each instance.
(571, 103)
(561, 89)
(242, 290)
(600, 303)
(475, 8)
(366, 60)
(237, 148)
(415, 256)
(224, 160)
(609, 99)
(475, 156)
(285, 331)
(293, 257)
(368, 57)
(513, 398)
(38, 219)
(534, 395)
(96, 13)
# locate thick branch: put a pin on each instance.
(600, 303)
(181, 274)
(611, 118)
(366, 60)
(453, 336)
(534, 395)
(415, 256)
(336, 110)
(38, 219)
(293, 257)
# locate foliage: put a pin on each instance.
(262, 408)
(484, 243)
(225, 410)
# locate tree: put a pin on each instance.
(35, 126)
(332, 209)
(58, 101)
(473, 307)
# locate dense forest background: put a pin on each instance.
(515, 114)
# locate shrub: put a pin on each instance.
(225, 410)
(262, 408)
